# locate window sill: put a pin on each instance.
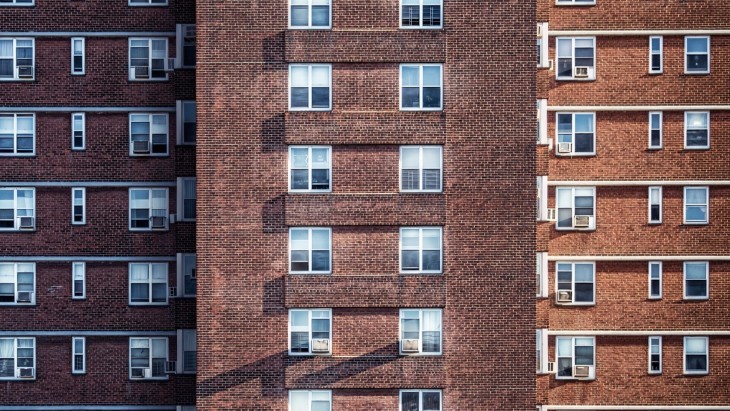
(293, 354)
(310, 273)
(18, 231)
(696, 148)
(574, 379)
(32, 304)
(574, 229)
(310, 28)
(149, 379)
(148, 304)
(421, 27)
(697, 73)
(574, 79)
(418, 109)
(20, 80)
(305, 109)
(421, 273)
(697, 224)
(310, 191)
(18, 379)
(685, 298)
(161, 80)
(570, 155)
(655, 73)
(28, 155)
(696, 373)
(419, 354)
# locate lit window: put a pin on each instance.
(420, 250)
(421, 86)
(421, 14)
(576, 58)
(17, 134)
(309, 14)
(310, 332)
(310, 87)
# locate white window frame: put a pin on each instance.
(660, 280)
(573, 281)
(310, 393)
(572, 357)
(82, 119)
(707, 280)
(309, 19)
(420, 170)
(655, 340)
(420, 398)
(686, 55)
(181, 198)
(149, 283)
(15, 152)
(180, 364)
(660, 194)
(420, 250)
(310, 249)
(16, 4)
(15, 284)
(660, 129)
(653, 53)
(687, 127)
(149, 58)
(15, 358)
(574, 153)
(309, 330)
(16, 217)
(74, 354)
(309, 107)
(575, 2)
(75, 190)
(706, 204)
(180, 122)
(542, 198)
(181, 31)
(542, 274)
(420, 87)
(542, 350)
(707, 356)
(591, 75)
(572, 222)
(150, 358)
(166, 214)
(181, 273)
(83, 56)
(291, 168)
(78, 267)
(15, 58)
(421, 330)
(148, 3)
(420, 25)
(544, 42)
(542, 122)
(150, 120)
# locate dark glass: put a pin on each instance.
(655, 287)
(655, 212)
(6, 68)
(583, 355)
(583, 142)
(431, 179)
(320, 260)
(190, 207)
(189, 53)
(410, 16)
(320, 97)
(409, 180)
(410, 97)
(655, 362)
(432, 97)
(320, 179)
(432, 15)
(696, 363)
(431, 341)
(696, 138)
(140, 293)
(565, 367)
(409, 401)
(583, 292)
(299, 342)
(77, 64)
(431, 401)
(7, 369)
(159, 293)
(300, 179)
(299, 97)
(656, 138)
(565, 67)
(6, 143)
(300, 260)
(696, 288)
(697, 62)
(656, 62)
(432, 260)
(409, 260)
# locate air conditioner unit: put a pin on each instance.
(25, 296)
(141, 373)
(158, 222)
(565, 297)
(552, 369)
(565, 148)
(320, 345)
(552, 214)
(26, 372)
(25, 71)
(140, 72)
(582, 221)
(194, 274)
(173, 218)
(581, 72)
(409, 345)
(582, 371)
(173, 291)
(539, 30)
(140, 147)
(170, 64)
(170, 367)
(27, 223)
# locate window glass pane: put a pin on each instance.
(565, 48)
(409, 401)
(697, 120)
(696, 195)
(432, 76)
(320, 16)
(584, 43)
(695, 271)
(655, 43)
(409, 76)
(300, 319)
(300, 239)
(299, 15)
(431, 401)
(299, 76)
(431, 157)
(584, 123)
(321, 239)
(584, 272)
(695, 345)
(565, 348)
(696, 45)
(320, 76)
(410, 158)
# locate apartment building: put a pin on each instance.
(97, 205)
(366, 228)
(633, 196)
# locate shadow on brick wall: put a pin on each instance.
(273, 215)
(272, 134)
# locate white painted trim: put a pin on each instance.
(61, 258)
(309, 26)
(73, 279)
(420, 250)
(661, 355)
(542, 267)
(660, 279)
(83, 56)
(309, 330)
(309, 67)
(544, 49)
(83, 205)
(641, 108)
(619, 183)
(569, 33)
(661, 130)
(290, 161)
(310, 249)
(640, 257)
(650, 204)
(91, 109)
(542, 117)
(86, 33)
(73, 355)
(420, 25)
(120, 184)
(421, 167)
(542, 191)
(660, 53)
(420, 107)
(709, 56)
(89, 408)
(150, 282)
(77, 333)
(421, 330)
(636, 407)
(636, 333)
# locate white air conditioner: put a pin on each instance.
(582, 72)
(170, 367)
(170, 64)
(552, 214)
(564, 297)
(25, 71)
(173, 291)
(539, 30)
(25, 296)
(139, 72)
(552, 369)
(158, 222)
(26, 372)
(26, 223)
(320, 345)
(582, 371)
(140, 147)
(409, 345)
(141, 373)
(565, 148)
(194, 274)
(582, 221)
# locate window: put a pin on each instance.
(421, 14)
(310, 332)
(542, 120)
(576, 133)
(147, 358)
(187, 122)
(17, 59)
(421, 86)
(17, 358)
(17, 209)
(310, 169)
(309, 14)
(655, 355)
(420, 332)
(696, 55)
(300, 400)
(421, 168)
(576, 283)
(16, 2)
(542, 45)
(186, 264)
(696, 205)
(186, 202)
(148, 2)
(78, 131)
(148, 283)
(17, 283)
(575, 2)
(655, 279)
(148, 134)
(656, 65)
(79, 280)
(186, 42)
(78, 355)
(310, 250)
(542, 274)
(576, 208)
(542, 198)
(310, 87)
(187, 348)
(696, 280)
(696, 355)
(420, 400)
(420, 250)
(576, 58)
(147, 58)
(655, 205)
(78, 56)
(541, 353)
(17, 134)
(574, 355)
(696, 130)
(655, 130)
(148, 209)
(78, 206)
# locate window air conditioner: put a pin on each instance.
(409, 346)
(141, 373)
(565, 148)
(25, 296)
(158, 222)
(173, 291)
(25, 372)
(581, 72)
(320, 345)
(582, 371)
(551, 369)
(141, 147)
(582, 221)
(539, 30)
(27, 223)
(140, 72)
(170, 64)
(565, 297)
(170, 367)
(552, 214)
(25, 71)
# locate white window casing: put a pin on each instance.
(696, 205)
(696, 130)
(310, 250)
(655, 280)
(148, 209)
(310, 400)
(18, 358)
(575, 58)
(656, 55)
(149, 134)
(310, 169)
(17, 283)
(656, 130)
(696, 278)
(697, 55)
(148, 59)
(148, 284)
(78, 355)
(421, 400)
(421, 87)
(421, 169)
(655, 205)
(308, 327)
(148, 358)
(572, 352)
(421, 14)
(576, 208)
(310, 14)
(421, 250)
(310, 87)
(696, 355)
(421, 332)
(78, 205)
(186, 198)
(17, 134)
(17, 209)
(575, 134)
(78, 56)
(655, 355)
(19, 56)
(78, 131)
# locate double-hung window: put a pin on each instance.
(576, 283)
(696, 280)
(187, 274)
(17, 283)
(187, 349)
(187, 122)
(310, 14)
(655, 205)
(421, 250)
(655, 130)
(576, 357)
(421, 87)
(78, 131)
(655, 280)
(148, 134)
(310, 169)
(575, 2)
(148, 283)
(656, 63)
(301, 400)
(17, 59)
(186, 198)
(696, 129)
(78, 279)
(696, 55)
(147, 58)
(78, 205)
(542, 45)
(310, 332)
(148, 209)
(16, 2)
(696, 205)
(310, 250)
(17, 134)
(541, 340)
(420, 331)
(148, 2)
(78, 355)
(186, 37)
(78, 56)
(696, 355)
(17, 358)
(576, 133)
(147, 358)
(576, 208)
(655, 355)
(421, 168)
(310, 87)
(421, 14)
(420, 400)
(542, 274)
(17, 209)
(576, 58)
